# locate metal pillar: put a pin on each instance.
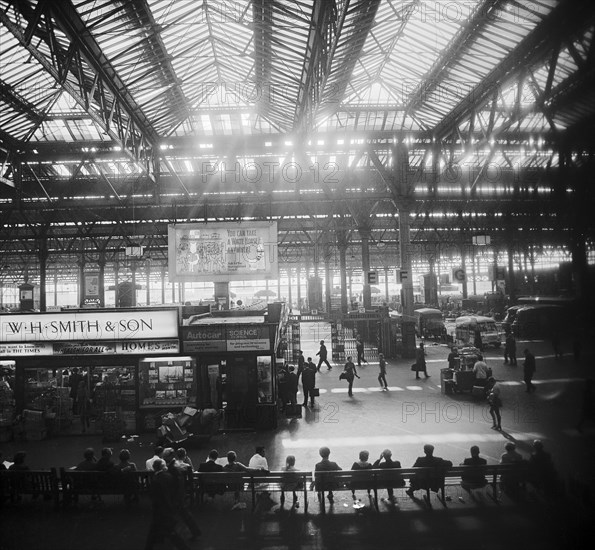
(342, 246)
(464, 268)
(511, 282)
(365, 236)
(101, 264)
(81, 280)
(133, 291)
(148, 277)
(43, 260)
(298, 274)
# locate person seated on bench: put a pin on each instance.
(386, 461)
(361, 464)
(510, 481)
(473, 479)
(292, 486)
(258, 461)
(129, 484)
(326, 465)
(482, 373)
(183, 460)
(435, 480)
(212, 466)
(89, 464)
(125, 465)
(234, 466)
(105, 464)
(157, 452)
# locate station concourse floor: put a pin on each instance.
(411, 413)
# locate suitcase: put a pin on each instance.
(293, 411)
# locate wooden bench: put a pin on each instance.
(253, 482)
(359, 480)
(427, 478)
(77, 483)
(492, 473)
(35, 483)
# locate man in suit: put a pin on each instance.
(212, 466)
(473, 479)
(386, 461)
(326, 465)
(435, 479)
(309, 382)
(323, 354)
(420, 361)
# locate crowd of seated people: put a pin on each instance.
(542, 472)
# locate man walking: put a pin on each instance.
(420, 361)
(359, 346)
(510, 349)
(529, 370)
(322, 354)
(163, 489)
(382, 374)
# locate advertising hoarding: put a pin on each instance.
(222, 252)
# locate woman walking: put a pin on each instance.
(493, 390)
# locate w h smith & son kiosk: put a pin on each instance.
(119, 371)
(91, 364)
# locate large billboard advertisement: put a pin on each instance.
(222, 252)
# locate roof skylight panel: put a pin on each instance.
(14, 123)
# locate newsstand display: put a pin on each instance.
(461, 378)
(45, 392)
(167, 382)
(114, 400)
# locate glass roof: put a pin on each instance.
(185, 68)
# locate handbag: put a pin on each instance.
(315, 392)
(293, 411)
(342, 376)
(414, 367)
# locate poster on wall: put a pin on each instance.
(222, 251)
(91, 285)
